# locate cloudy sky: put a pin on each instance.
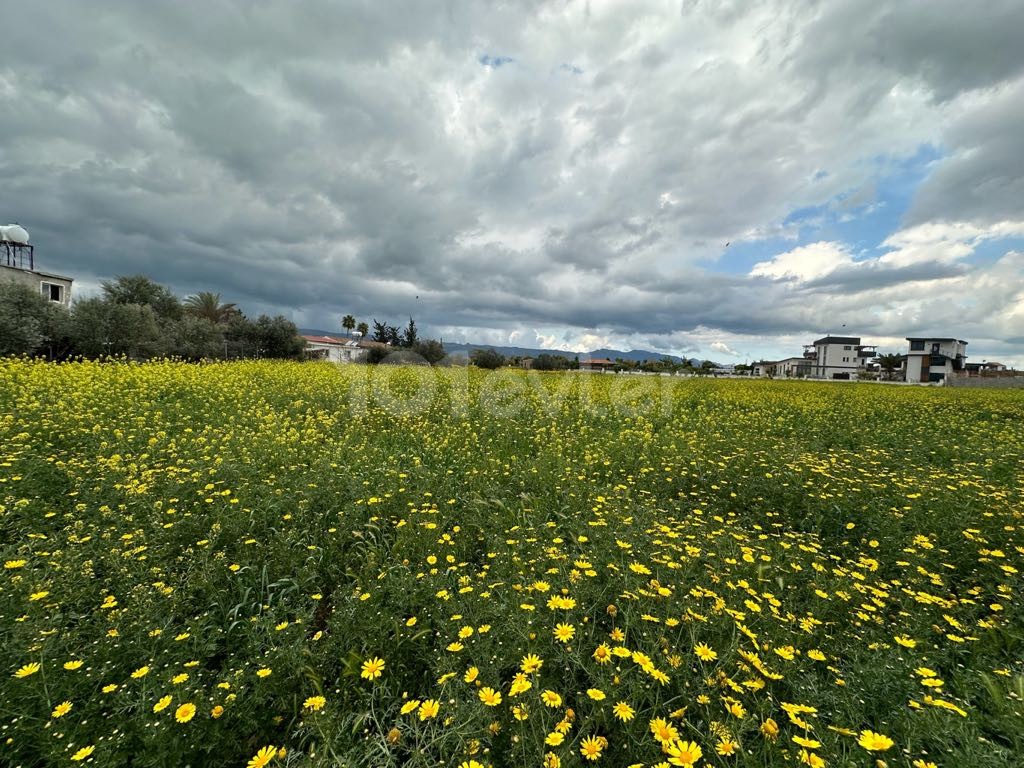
(719, 179)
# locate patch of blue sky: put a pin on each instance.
(495, 62)
(860, 218)
(988, 251)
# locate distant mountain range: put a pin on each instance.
(638, 355)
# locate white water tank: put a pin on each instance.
(14, 233)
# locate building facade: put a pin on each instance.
(838, 357)
(18, 265)
(55, 288)
(793, 368)
(935, 359)
(337, 350)
(789, 368)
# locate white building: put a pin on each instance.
(935, 359)
(790, 368)
(793, 367)
(337, 350)
(838, 357)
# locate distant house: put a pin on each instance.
(793, 367)
(980, 369)
(935, 359)
(55, 288)
(790, 368)
(597, 364)
(838, 357)
(339, 350)
(17, 264)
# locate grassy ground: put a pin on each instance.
(208, 563)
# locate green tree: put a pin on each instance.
(363, 329)
(207, 305)
(546, 362)
(380, 332)
(348, 322)
(889, 364)
(387, 334)
(102, 328)
(139, 289)
(410, 335)
(196, 338)
(239, 338)
(487, 359)
(22, 319)
(430, 350)
(277, 337)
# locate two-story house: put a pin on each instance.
(935, 359)
(838, 357)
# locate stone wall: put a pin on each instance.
(986, 382)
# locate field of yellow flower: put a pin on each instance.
(288, 564)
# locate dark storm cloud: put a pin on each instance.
(528, 164)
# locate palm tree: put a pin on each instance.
(363, 329)
(889, 364)
(206, 304)
(348, 322)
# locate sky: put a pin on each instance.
(727, 180)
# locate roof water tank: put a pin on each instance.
(14, 233)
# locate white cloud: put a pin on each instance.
(942, 241)
(805, 263)
(725, 349)
(546, 342)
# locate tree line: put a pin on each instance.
(395, 344)
(137, 318)
(490, 359)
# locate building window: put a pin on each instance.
(847, 348)
(917, 346)
(52, 291)
(935, 348)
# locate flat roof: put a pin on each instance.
(934, 338)
(838, 340)
(41, 274)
